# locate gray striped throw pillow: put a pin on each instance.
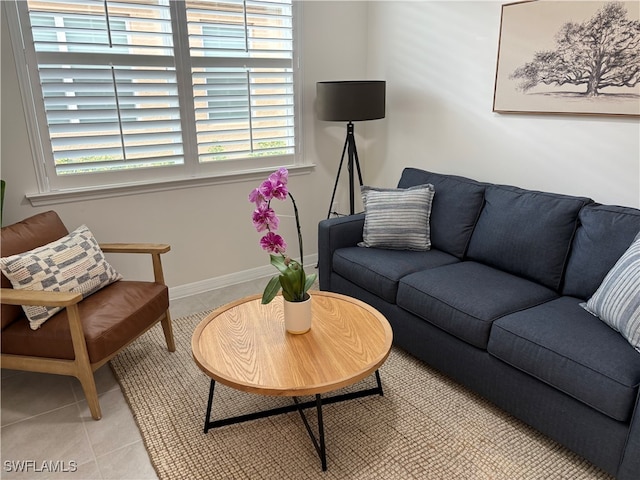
(397, 219)
(617, 300)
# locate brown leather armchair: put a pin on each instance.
(88, 332)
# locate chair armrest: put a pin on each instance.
(67, 300)
(335, 233)
(153, 248)
(11, 296)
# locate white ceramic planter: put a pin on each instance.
(297, 316)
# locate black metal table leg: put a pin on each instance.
(323, 451)
(379, 383)
(207, 422)
(318, 443)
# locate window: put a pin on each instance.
(136, 91)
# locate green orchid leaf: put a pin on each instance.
(271, 290)
(288, 291)
(297, 281)
(278, 262)
(309, 282)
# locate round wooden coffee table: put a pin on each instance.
(244, 345)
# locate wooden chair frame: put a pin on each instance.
(81, 367)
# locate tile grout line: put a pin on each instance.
(86, 433)
(75, 402)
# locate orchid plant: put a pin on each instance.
(292, 278)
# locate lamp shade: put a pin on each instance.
(350, 101)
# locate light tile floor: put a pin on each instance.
(47, 431)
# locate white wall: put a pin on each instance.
(209, 228)
(439, 60)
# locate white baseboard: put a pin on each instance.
(214, 283)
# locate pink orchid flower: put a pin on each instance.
(256, 197)
(264, 218)
(273, 243)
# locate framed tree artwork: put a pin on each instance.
(569, 57)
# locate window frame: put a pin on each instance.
(191, 173)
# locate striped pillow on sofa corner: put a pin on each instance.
(617, 300)
(397, 218)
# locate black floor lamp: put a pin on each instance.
(350, 101)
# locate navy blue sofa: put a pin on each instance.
(494, 304)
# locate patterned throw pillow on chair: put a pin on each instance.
(617, 300)
(74, 263)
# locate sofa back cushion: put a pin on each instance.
(604, 234)
(526, 233)
(454, 210)
(20, 237)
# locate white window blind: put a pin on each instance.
(150, 86)
(241, 55)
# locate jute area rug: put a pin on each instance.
(424, 427)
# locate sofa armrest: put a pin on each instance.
(335, 233)
(154, 249)
(630, 462)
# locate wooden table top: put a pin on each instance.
(244, 345)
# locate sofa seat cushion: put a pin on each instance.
(378, 271)
(526, 233)
(464, 299)
(110, 318)
(573, 351)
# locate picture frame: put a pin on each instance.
(544, 65)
